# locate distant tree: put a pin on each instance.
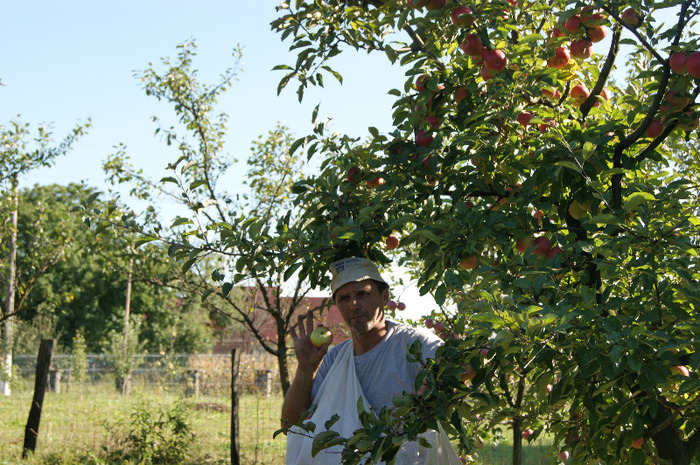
(18, 156)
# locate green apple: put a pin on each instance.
(321, 336)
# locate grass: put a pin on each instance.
(90, 419)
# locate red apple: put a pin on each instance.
(655, 128)
(392, 242)
(462, 17)
(563, 455)
(423, 139)
(472, 45)
(680, 370)
(524, 118)
(692, 63)
(486, 74)
(573, 23)
(677, 63)
(542, 246)
(376, 182)
(579, 93)
(554, 251)
(433, 122)
(351, 174)
(469, 372)
(560, 59)
(637, 443)
(597, 33)
(421, 81)
(391, 305)
(401, 306)
(438, 326)
(321, 336)
(484, 352)
(631, 18)
(605, 93)
(429, 323)
(676, 101)
(581, 48)
(551, 92)
(494, 61)
(527, 433)
(469, 263)
(460, 94)
(523, 243)
(435, 5)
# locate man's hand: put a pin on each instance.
(309, 357)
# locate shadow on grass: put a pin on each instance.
(502, 454)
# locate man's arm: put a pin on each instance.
(309, 358)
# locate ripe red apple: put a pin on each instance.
(680, 370)
(597, 33)
(563, 455)
(472, 45)
(524, 118)
(542, 246)
(469, 263)
(462, 16)
(554, 251)
(421, 81)
(321, 336)
(637, 443)
(605, 93)
(494, 61)
(677, 62)
(484, 352)
(579, 93)
(631, 18)
(486, 74)
(391, 305)
(548, 122)
(692, 63)
(429, 323)
(676, 101)
(523, 243)
(573, 23)
(423, 139)
(581, 48)
(376, 182)
(392, 242)
(460, 94)
(560, 59)
(401, 306)
(435, 5)
(438, 326)
(655, 128)
(469, 372)
(527, 433)
(551, 92)
(351, 174)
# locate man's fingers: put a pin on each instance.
(309, 323)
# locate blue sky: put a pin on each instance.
(62, 62)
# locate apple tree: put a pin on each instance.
(542, 179)
(218, 231)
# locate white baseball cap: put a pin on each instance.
(353, 269)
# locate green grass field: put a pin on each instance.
(78, 426)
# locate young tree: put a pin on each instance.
(221, 236)
(552, 208)
(18, 155)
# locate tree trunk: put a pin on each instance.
(668, 441)
(283, 364)
(517, 441)
(8, 327)
(43, 363)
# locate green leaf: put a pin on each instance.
(604, 219)
(226, 289)
(568, 164)
(143, 240)
(168, 179)
(634, 200)
(325, 440)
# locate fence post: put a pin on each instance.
(31, 431)
(55, 380)
(235, 365)
(192, 388)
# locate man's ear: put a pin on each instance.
(385, 296)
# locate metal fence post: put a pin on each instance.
(235, 366)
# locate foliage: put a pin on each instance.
(215, 233)
(484, 164)
(79, 362)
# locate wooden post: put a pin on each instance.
(235, 364)
(31, 431)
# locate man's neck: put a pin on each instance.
(363, 343)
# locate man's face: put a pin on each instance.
(361, 305)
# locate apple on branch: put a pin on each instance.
(579, 93)
(462, 17)
(392, 241)
(692, 64)
(677, 62)
(561, 58)
(631, 18)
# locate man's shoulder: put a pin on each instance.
(412, 332)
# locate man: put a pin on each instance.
(377, 353)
